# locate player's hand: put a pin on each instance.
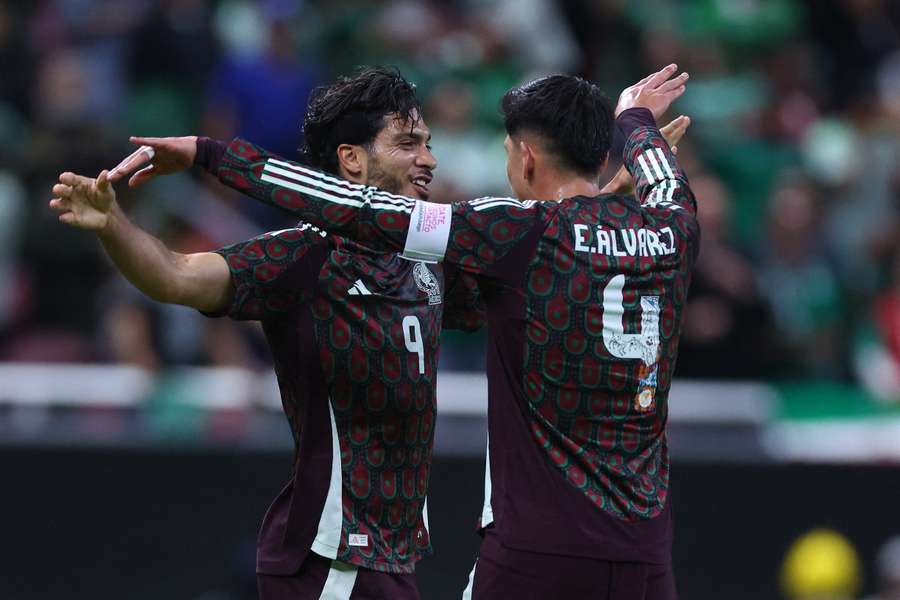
(656, 92)
(155, 157)
(84, 202)
(673, 131)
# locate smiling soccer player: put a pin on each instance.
(353, 334)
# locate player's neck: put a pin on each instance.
(563, 188)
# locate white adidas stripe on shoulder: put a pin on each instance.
(486, 203)
(305, 189)
(336, 198)
(320, 184)
(317, 174)
(325, 181)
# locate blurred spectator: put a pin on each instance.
(800, 282)
(260, 93)
(172, 53)
(259, 89)
(471, 158)
(728, 330)
(12, 284)
(877, 350)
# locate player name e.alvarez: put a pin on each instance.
(624, 242)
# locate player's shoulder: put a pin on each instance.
(302, 233)
(511, 206)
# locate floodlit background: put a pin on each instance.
(140, 443)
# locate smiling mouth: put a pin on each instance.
(421, 183)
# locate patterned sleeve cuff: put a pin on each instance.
(626, 123)
(209, 154)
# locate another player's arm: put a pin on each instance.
(199, 280)
(473, 235)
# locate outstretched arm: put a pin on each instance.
(474, 235)
(200, 280)
(367, 214)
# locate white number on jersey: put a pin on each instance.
(412, 335)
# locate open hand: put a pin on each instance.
(84, 202)
(156, 156)
(656, 92)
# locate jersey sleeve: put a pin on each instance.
(463, 304)
(659, 181)
(474, 235)
(272, 272)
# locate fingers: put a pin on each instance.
(103, 181)
(60, 204)
(67, 217)
(62, 190)
(146, 141)
(73, 180)
(673, 83)
(660, 76)
(141, 156)
(142, 176)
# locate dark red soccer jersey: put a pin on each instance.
(585, 299)
(354, 337)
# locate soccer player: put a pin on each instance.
(353, 334)
(584, 293)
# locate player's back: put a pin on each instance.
(577, 437)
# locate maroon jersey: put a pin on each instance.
(354, 337)
(584, 299)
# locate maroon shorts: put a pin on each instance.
(320, 577)
(501, 573)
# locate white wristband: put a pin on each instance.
(429, 230)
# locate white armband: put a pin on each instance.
(429, 230)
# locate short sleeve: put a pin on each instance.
(273, 272)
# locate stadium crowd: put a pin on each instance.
(794, 155)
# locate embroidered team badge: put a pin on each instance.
(427, 282)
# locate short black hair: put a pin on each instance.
(352, 110)
(570, 114)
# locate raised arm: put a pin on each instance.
(200, 280)
(622, 183)
(659, 181)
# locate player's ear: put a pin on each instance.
(352, 162)
(528, 161)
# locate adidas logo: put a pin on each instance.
(359, 289)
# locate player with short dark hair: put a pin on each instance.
(585, 293)
(353, 334)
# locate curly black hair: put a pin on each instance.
(353, 110)
(572, 116)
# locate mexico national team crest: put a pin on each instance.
(427, 282)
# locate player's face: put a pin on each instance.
(401, 161)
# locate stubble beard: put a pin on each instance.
(382, 179)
